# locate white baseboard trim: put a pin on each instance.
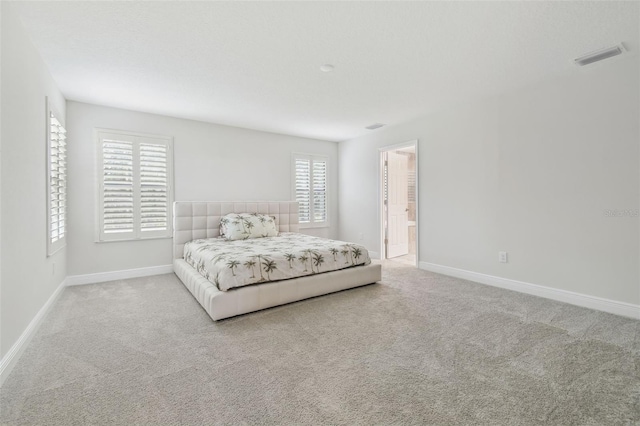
(578, 299)
(11, 358)
(374, 255)
(118, 275)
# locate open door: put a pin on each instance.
(397, 204)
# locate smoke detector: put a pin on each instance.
(374, 126)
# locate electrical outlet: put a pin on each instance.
(503, 257)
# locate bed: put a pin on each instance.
(199, 221)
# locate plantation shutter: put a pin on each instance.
(117, 174)
(57, 200)
(310, 189)
(135, 188)
(154, 191)
(303, 188)
(319, 191)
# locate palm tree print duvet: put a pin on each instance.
(231, 264)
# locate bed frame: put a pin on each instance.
(195, 220)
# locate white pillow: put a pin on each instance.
(242, 226)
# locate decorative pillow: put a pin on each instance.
(242, 226)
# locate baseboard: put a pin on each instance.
(11, 358)
(586, 301)
(118, 275)
(374, 255)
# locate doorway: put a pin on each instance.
(399, 203)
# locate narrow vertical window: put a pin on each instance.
(310, 189)
(57, 182)
(302, 170)
(319, 184)
(135, 176)
(154, 188)
(117, 186)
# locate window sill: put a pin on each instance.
(53, 250)
(98, 241)
(314, 226)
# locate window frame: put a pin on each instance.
(136, 139)
(54, 246)
(312, 157)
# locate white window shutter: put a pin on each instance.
(57, 197)
(310, 189)
(319, 191)
(136, 186)
(154, 190)
(303, 188)
(117, 192)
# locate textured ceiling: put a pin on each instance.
(256, 64)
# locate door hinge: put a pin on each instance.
(386, 242)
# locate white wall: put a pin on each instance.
(26, 275)
(211, 162)
(529, 172)
(1, 352)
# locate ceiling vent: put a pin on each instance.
(599, 55)
(374, 126)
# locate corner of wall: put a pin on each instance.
(25, 83)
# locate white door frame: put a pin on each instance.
(412, 143)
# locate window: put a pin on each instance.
(135, 177)
(57, 182)
(310, 189)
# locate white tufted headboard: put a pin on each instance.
(201, 219)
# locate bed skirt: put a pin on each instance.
(225, 304)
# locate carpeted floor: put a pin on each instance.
(418, 348)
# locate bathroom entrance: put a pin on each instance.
(399, 203)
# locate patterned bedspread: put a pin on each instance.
(231, 264)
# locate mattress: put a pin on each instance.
(233, 264)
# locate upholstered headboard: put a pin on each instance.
(201, 219)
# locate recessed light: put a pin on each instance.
(374, 126)
(599, 55)
(327, 68)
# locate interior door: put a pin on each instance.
(397, 204)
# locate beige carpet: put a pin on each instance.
(418, 348)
